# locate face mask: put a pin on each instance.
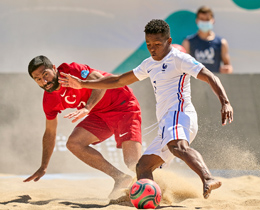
(205, 26)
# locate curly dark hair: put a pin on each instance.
(157, 26)
(37, 62)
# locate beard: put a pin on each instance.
(55, 85)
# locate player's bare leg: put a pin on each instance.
(78, 144)
(132, 152)
(146, 165)
(181, 149)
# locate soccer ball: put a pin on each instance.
(145, 194)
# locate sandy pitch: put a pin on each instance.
(178, 194)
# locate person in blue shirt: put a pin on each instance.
(207, 47)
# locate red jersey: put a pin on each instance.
(65, 97)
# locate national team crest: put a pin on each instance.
(84, 73)
(164, 67)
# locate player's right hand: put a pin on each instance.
(69, 81)
(36, 176)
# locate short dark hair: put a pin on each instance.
(205, 10)
(37, 62)
(157, 26)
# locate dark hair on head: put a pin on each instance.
(157, 26)
(37, 62)
(205, 10)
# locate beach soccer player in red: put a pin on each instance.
(102, 114)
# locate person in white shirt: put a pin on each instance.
(169, 71)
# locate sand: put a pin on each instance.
(178, 193)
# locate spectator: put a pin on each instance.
(207, 47)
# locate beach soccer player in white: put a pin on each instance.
(169, 71)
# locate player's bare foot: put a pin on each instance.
(120, 187)
(122, 199)
(209, 185)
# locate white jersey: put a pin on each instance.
(170, 78)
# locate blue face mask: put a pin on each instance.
(205, 26)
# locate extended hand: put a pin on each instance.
(77, 114)
(69, 81)
(36, 176)
(226, 113)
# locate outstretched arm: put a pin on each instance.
(109, 82)
(48, 144)
(215, 84)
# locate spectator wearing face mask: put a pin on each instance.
(207, 47)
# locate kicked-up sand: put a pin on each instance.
(178, 193)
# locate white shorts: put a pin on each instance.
(173, 126)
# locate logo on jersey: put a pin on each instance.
(72, 99)
(68, 98)
(195, 62)
(70, 102)
(62, 95)
(164, 67)
(84, 73)
(148, 71)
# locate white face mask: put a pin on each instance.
(205, 26)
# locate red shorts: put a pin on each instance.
(124, 122)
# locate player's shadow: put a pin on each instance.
(84, 206)
(162, 207)
(121, 202)
(21, 199)
(25, 199)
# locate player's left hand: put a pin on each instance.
(226, 113)
(77, 114)
(70, 81)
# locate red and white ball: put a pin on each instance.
(145, 194)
